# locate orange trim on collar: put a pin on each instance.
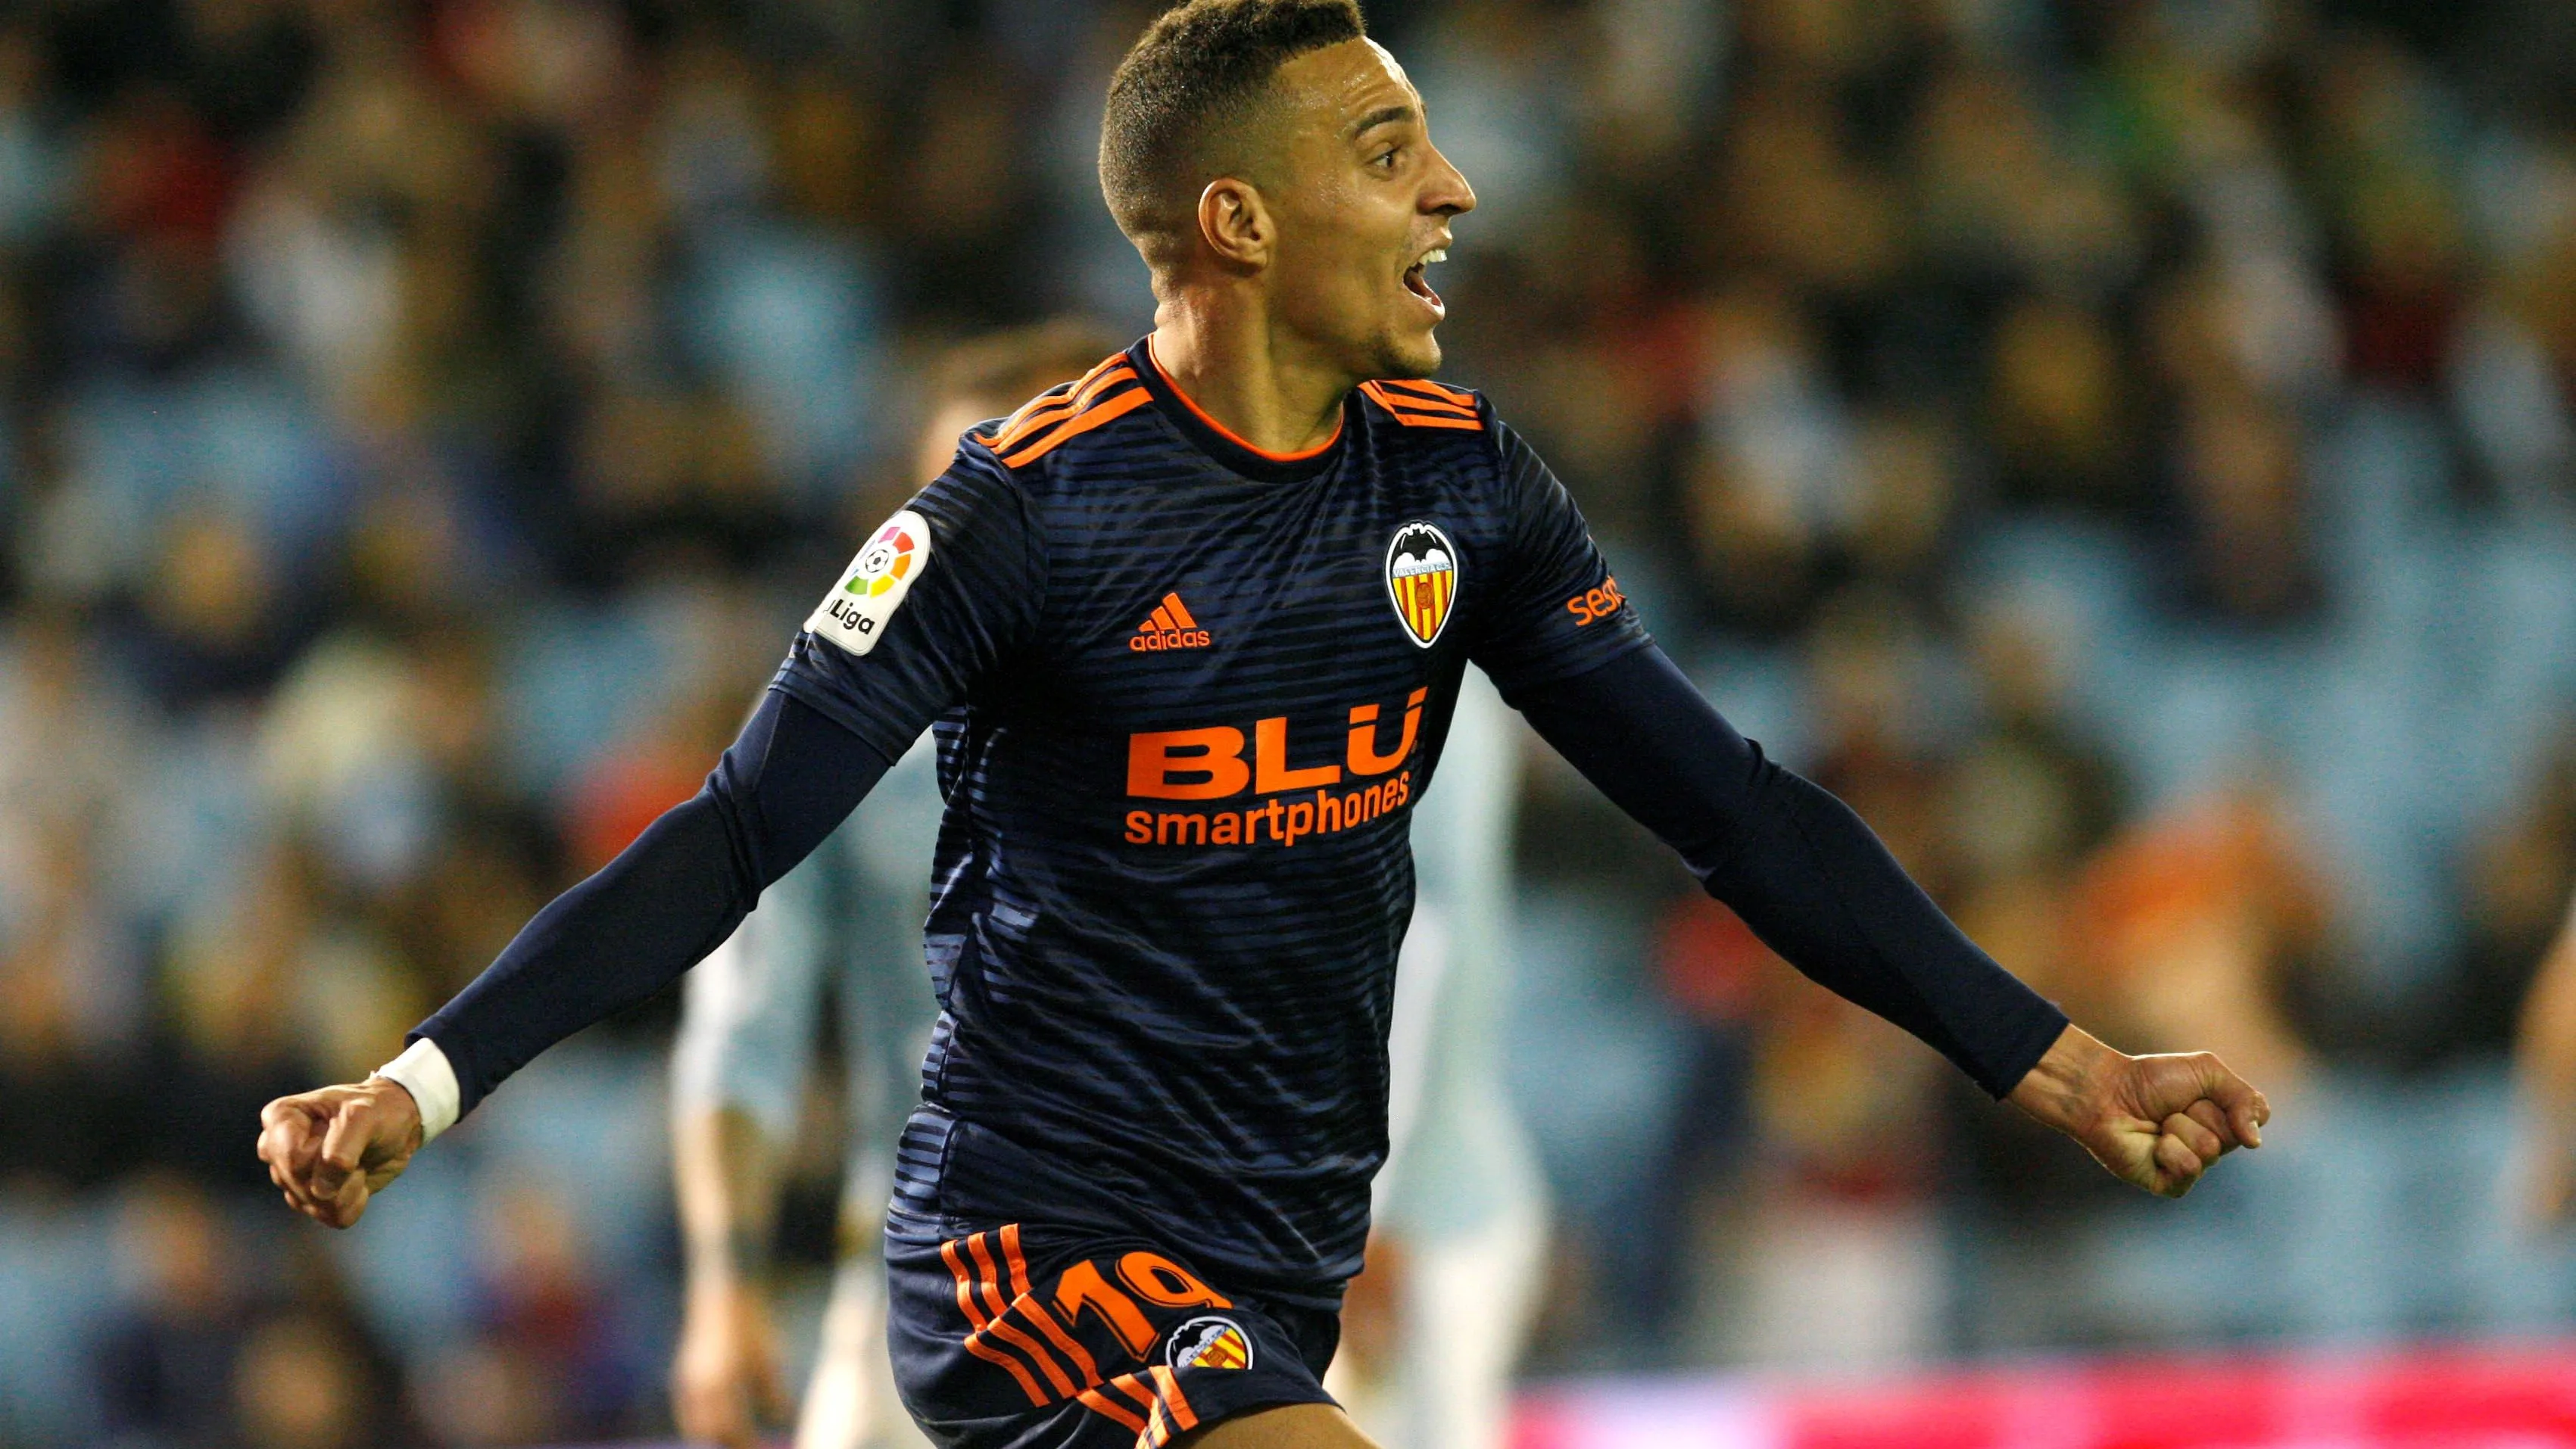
(1229, 434)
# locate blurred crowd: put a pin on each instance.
(2126, 448)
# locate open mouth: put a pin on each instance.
(1416, 283)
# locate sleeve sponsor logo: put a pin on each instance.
(1593, 605)
(855, 613)
(1422, 580)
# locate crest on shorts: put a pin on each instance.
(1422, 579)
(854, 614)
(1210, 1343)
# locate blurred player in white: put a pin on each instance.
(844, 925)
(1437, 1321)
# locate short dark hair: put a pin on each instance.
(1188, 85)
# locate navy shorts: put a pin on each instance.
(1025, 1337)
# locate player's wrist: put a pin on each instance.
(2068, 1088)
(429, 1088)
(400, 1110)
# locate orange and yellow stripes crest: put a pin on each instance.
(1423, 599)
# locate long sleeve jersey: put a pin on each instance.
(1186, 693)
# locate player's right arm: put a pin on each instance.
(874, 667)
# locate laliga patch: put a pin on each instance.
(1422, 580)
(854, 614)
(1209, 1343)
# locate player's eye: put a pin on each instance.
(1387, 157)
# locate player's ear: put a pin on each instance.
(1235, 223)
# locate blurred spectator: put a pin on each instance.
(2060, 409)
(298, 1385)
(546, 1363)
(165, 1365)
(2242, 483)
(197, 1359)
(2205, 924)
(2026, 804)
(1771, 483)
(1715, 973)
(2032, 799)
(229, 981)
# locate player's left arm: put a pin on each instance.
(1812, 880)
(1803, 870)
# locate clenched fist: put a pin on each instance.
(331, 1150)
(2156, 1122)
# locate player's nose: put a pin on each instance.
(1447, 191)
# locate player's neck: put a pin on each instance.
(1267, 391)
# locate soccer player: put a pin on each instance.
(1190, 628)
(846, 924)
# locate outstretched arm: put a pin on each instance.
(605, 945)
(1819, 888)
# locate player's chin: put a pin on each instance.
(1408, 354)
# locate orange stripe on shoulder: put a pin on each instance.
(1054, 397)
(1099, 414)
(995, 431)
(1052, 406)
(1413, 404)
(1416, 412)
(1432, 392)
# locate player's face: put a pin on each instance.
(1366, 207)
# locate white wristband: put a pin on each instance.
(422, 1070)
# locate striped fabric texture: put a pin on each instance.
(1185, 694)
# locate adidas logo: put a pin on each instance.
(1171, 627)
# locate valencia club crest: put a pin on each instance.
(1422, 580)
(1209, 1343)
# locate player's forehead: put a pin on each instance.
(1343, 91)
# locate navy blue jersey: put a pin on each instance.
(1186, 692)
